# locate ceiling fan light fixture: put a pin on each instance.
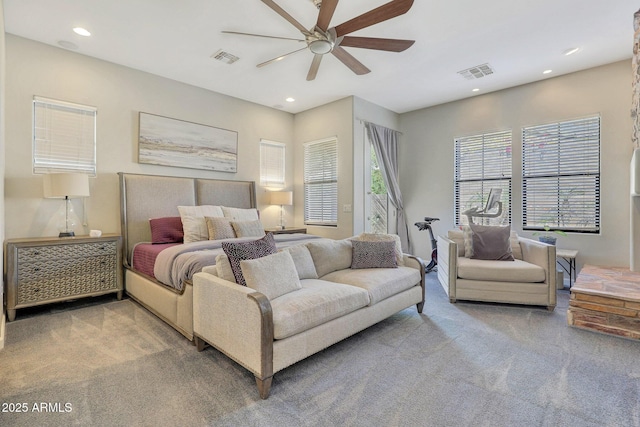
(320, 47)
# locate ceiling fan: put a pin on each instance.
(321, 39)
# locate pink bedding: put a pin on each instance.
(145, 254)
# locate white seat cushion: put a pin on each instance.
(381, 283)
(500, 271)
(316, 303)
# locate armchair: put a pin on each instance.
(529, 279)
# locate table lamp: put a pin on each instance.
(68, 186)
(282, 198)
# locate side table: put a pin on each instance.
(286, 230)
(569, 256)
(53, 269)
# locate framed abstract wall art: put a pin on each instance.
(171, 142)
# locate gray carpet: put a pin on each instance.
(461, 364)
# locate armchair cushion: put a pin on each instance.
(499, 271)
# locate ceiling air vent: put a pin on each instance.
(476, 72)
(225, 57)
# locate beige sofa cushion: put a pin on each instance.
(500, 271)
(316, 303)
(380, 283)
(330, 255)
(303, 261)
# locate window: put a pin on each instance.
(482, 162)
(321, 182)
(561, 176)
(64, 137)
(272, 159)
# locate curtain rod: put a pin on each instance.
(367, 121)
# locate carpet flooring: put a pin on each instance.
(112, 363)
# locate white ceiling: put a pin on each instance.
(176, 38)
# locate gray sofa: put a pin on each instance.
(265, 335)
(530, 279)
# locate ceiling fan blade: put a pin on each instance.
(280, 11)
(262, 64)
(313, 70)
(262, 35)
(348, 60)
(386, 11)
(391, 45)
(326, 13)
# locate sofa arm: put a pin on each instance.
(543, 255)
(417, 263)
(447, 265)
(236, 320)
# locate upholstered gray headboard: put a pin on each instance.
(152, 196)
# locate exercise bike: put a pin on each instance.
(426, 225)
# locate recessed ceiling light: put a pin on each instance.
(571, 51)
(290, 99)
(81, 31)
(475, 90)
(547, 71)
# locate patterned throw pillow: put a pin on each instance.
(374, 254)
(219, 228)
(240, 251)
(166, 230)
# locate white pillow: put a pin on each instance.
(248, 228)
(330, 255)
(223, 268)
(238, 214)
(273, 275)
(193, 222)
(303, 261)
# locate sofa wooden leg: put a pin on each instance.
(551, 307)
(420, 306)
(452, 300)
(200, 343)
(264, 387)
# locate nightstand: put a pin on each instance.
(45, 270)
(286, 230)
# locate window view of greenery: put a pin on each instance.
(482, 162)
(378, 217)
(561, 176)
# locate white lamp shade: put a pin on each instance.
(61, 185)
(282, 198)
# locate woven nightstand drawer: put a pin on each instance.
(76, 250)
(50, 289)
(63, 268)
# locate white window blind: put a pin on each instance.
(561, 175)
(64, 137)
(482, 162)
(321, 182)
(272, 163)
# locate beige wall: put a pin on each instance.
(2, 163)
(331, 120)
(119, 93)
(427, 162)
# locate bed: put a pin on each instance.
(166, 290)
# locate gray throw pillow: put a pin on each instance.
(491, 242)
(374, 254)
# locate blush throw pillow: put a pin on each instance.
(491, 243)
(166, 230)
(241, 251)
(272, 275)
(374, 254)
(219, 228)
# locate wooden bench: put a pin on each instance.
(606, 299)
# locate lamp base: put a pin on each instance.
(66, 234)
